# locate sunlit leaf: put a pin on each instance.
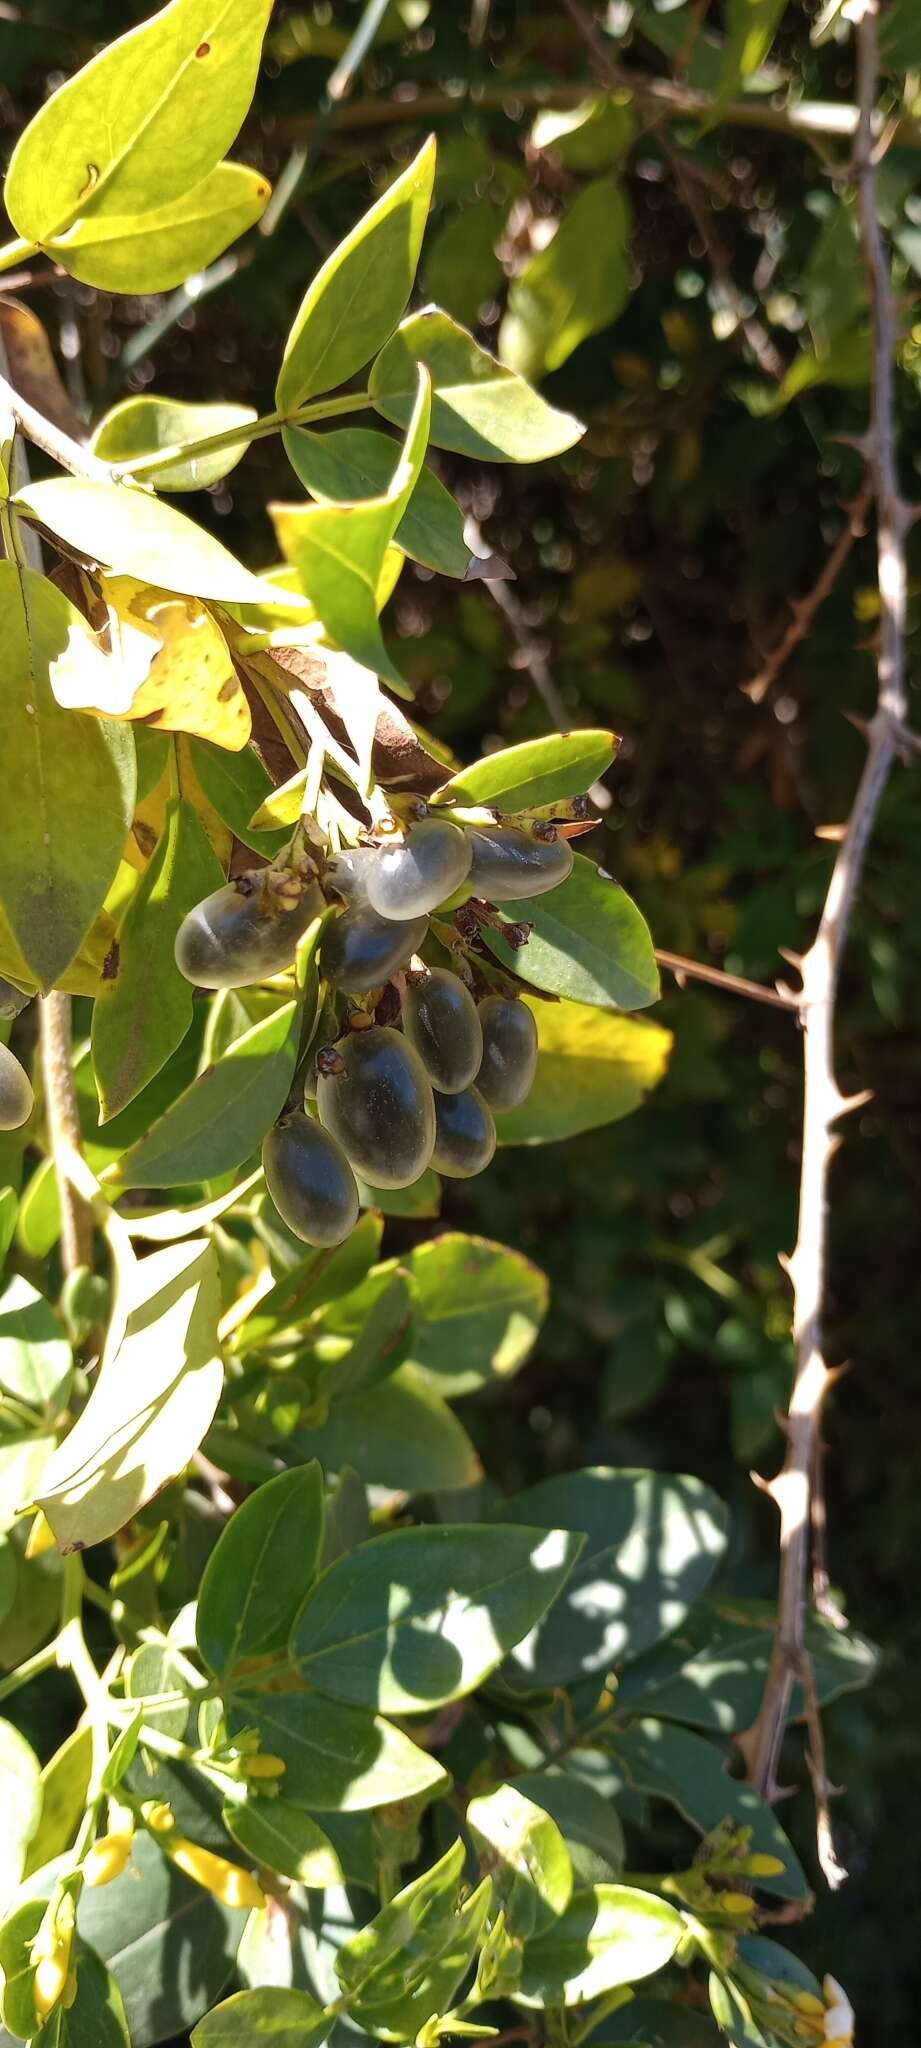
(128, 530)
(575, 286)
(357, 296)
(338, 1758)
(150, 252)
(610, 1935)
(255, 1578)
(537, 772)
(589, 942)
(355, 463)
(143, 425)
(592, 1068)
(478, 1309)
(479, 406)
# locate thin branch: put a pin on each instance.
(62, 448)
(824, 1104)
(768, 358)
(64, 1133)
(804, 611)
(733, 984)
(826, 121)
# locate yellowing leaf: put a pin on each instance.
(143, 122)
(151, 1404)
(192, 685)
(592, 1068)
(340, 551)
(150, 252)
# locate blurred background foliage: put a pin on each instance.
(701, 306)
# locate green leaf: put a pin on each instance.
(608, 1936)
(35, 1357)
(319, 1278)
(355, 463)
(589, 137)
(478, 1310)
(151, 1402)
(421, 1201)
(20, 1792)
(690, 1773)
(338, 1759)
(479, 407)
(462, 270)
(95, 2019)
(659, 2023)
(408, 1963)
(16, 1968)
(236, 785)
(574, 287)
(64, 1785)
(589, 942)
(401, 1434)
(284, 1838)
(73, 777)
(126, 529)
(256, 1575)
(590, 1826)
(290, 2019)
(537, 772)
(338, 550)
(380, 1345)
(38, 1222)
(146, 119)
(221, 1119)
(711, 1673)
(528, 1858)
(653, 1541)
(142, 425)
(168, 1943)
(151, 252)
(421, 1616)
(751, 28)
(593, 1067)
(356, 298)
(133, 1036)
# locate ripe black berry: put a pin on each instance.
(415, 874)
(509, 1058)
(310, 1181)
(239, 936)
(465, 1135)
(509, 863)
(440, 1019)
(16, 1096)
(380, 1107)
(361, 950)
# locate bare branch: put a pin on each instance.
(64, 1133)
(61, 447)
(805, 610)
(823, 1105)
(732, 984)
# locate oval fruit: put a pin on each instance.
(310, 1181)
(16, 1096)
(417, 873)
(465, 1135)
(237, 937)
(440, 1019)
(380, 1107)
(509, 1060)
(347, 873)
(360, 950)
(508, 863)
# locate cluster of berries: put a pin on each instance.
(388, 1098)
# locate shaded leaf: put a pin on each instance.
(479, 406)
(357, 296)
(593, 1067)
(590, 1825)
(478, 1310)
(256, 1576)
(401, 1434)
(537, 772)
(711, 1673)
(134, 1036)
(20, 1791)
(588, 942)
(354, 463)
(151, 1403)
(285, 1838)
(690, 1773)
(74, 777)
(420, 1616)
(590, 136)
(221, 1119)
(35, 1357)
(320, 1277)
(169, 1944)
(95, 2018)
(339, 550)
(64, 1784)
(237, 784)
(289, 2018)
(653, 1540)
(408, 1962)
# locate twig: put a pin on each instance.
(733, 984)
(822, 1598)
(64, 1133)
(824, 1104)
(768, 358)
(62, 448)
(807, 119)
(804, 611)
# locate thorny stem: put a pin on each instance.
(824, 1104)
(805, 610)
(64, 1133)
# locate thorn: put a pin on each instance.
(767, 1486)
(792, 959)
(834, 832)
(846, 1104)
(862, 724)
(865, 444)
